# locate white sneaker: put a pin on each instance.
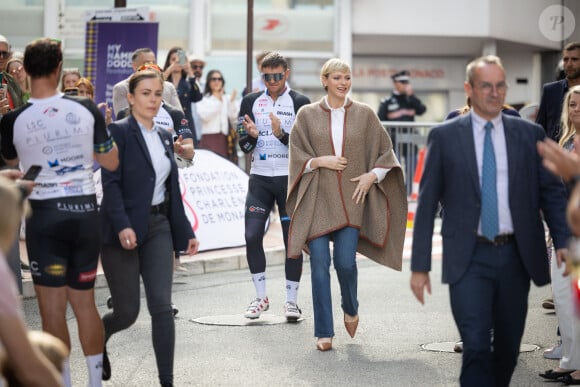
(256, 308)
(555, 352)
(292, 311)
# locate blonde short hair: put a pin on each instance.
(333, 65)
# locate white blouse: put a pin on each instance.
(214, 114)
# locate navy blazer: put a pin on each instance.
(451, 178)
(128, 191)
(550, 110)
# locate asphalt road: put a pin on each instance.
(385, 352)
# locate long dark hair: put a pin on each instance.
(207, 89)
(168, 63)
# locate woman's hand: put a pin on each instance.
(365, 182)
(336, 163)
(192, 246)
(128, 238)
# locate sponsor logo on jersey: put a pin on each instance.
(71, 158)
(47, 150)
(65, 170)
(282, 113)
(53, 163)
(278, 155)
(55, 270)
(263, 156)
(50, 111)
(72, 118)
(88, 276)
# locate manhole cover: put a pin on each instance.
(447, 346)
(240, 320)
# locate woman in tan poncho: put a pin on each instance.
(345, 185)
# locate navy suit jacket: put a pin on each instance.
(550, 110)
(451, 178)
(128, 191)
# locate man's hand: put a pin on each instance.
(275, 125)
(419, 281)
(558, 160)
(250, 126)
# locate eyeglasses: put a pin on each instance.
(487, 87)
(16, 70)
(273, 77)
(4, 54)
(195, 67)
(216, 79)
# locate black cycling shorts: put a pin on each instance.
(63, 242)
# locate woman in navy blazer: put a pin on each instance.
(143, 221)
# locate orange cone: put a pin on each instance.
(412, 206)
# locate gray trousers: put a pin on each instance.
(152, 260)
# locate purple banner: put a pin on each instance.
(108, 50)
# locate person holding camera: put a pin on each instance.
(178, 72)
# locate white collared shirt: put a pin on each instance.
(499, 145)
(160, 160)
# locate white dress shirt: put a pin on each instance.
(161, 163)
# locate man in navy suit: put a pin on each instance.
(488, 277)
(553, 93)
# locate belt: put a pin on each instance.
(160, 208)
(499, 240)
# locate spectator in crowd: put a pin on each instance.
(493, 235)
(70, 76)
(86, 89)
(140, 57)
(14, 98)
(15, 67)
(11, 97)
(20, 359)
(345, 186)
(197, 64)
(178, 71)
(257, 83)
(549, 116)
(266, 119)
(550, 110)
(143, 222)
(218, 113)
(563, 298)
(62, 244)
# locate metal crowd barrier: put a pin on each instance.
(408, 138)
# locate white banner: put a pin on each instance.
(214, 196)
(213, 191)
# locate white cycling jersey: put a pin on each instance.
(59, 133)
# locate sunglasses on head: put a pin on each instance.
(273, 77)
(150, 66)
(4, 54)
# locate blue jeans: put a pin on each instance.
(345, 243)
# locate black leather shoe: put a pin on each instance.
(569, 380)
(555, 375)
(106, 365)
